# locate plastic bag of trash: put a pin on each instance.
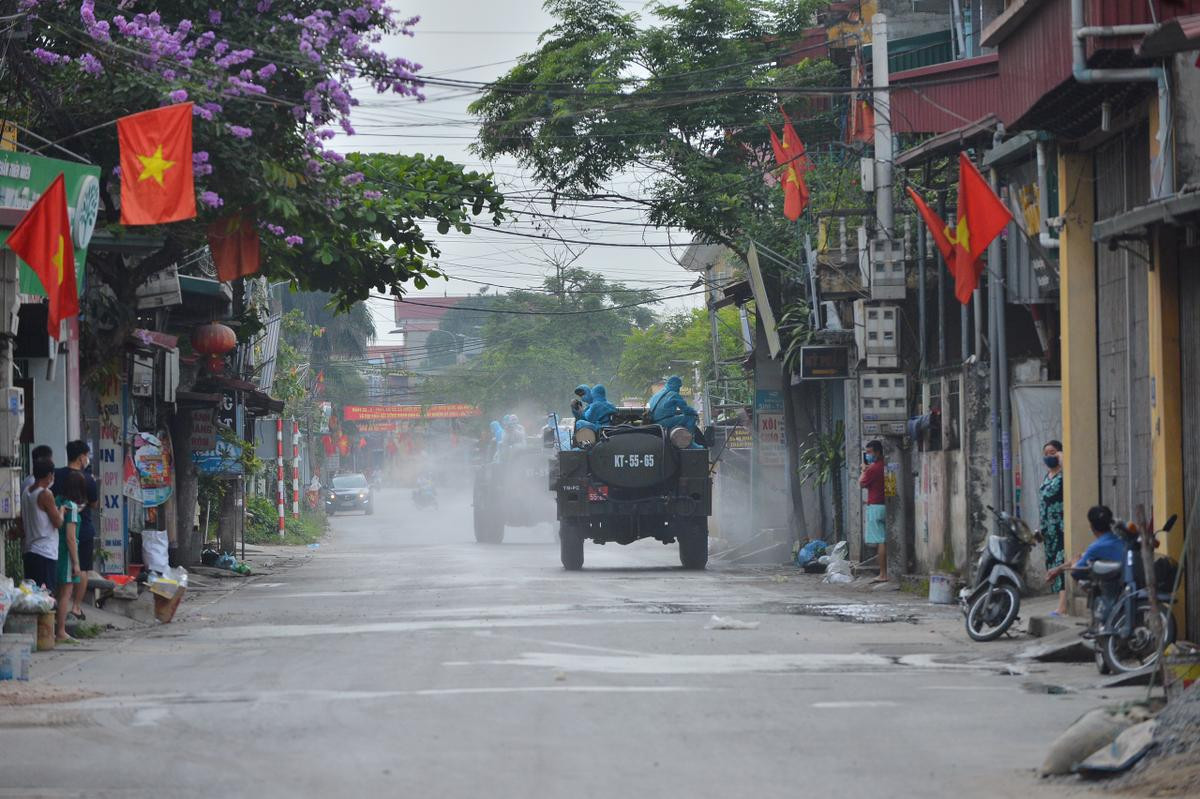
(154, 551)
(32, 598)
(169, 582)
(8, 593)
(838, 577)
(810, 552)
(840, 550)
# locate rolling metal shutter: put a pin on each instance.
(1122, 334)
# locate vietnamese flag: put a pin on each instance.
(235, 247)
(981, 217)
(794, 149)
(937, 227)
(156, 166)
(42, 239)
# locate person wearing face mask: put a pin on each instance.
(79, 458)
(1050, 512)
(872, 479)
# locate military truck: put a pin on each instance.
(632, 480)
(510, 491)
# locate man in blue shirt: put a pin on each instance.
(1107, 546)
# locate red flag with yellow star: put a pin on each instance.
(42, 239)
(156, 166)
(981, 217)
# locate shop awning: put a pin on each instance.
(1136, 223)
(949, 142)
(1177, 35)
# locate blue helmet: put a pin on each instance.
(674, 383)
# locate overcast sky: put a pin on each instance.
(480, 40)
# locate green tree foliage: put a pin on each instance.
(671, 347)
(538, 345)
(683, 98)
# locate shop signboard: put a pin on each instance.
(383, 413)
(225, 458)
(768, 421)
(824, 363)
(204, 432)
(110, 467)
(23, 179)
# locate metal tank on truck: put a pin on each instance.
(632, 473)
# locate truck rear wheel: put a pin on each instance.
(570, 544)
(693, 545)
(488, 529)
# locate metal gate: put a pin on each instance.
(1189, 333)
(1122, 333)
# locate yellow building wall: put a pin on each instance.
(1077, 305)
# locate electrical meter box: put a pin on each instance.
(883, 402)
(10, 493)
(12, 421)
(881, 328)
(887, 269)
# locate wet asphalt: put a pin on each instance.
(400, 658)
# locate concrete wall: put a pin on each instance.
(50, 424)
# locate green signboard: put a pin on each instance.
(24, 177)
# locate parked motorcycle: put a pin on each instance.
(1121, 612)
(992, 602)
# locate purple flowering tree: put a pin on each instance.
(272, 81)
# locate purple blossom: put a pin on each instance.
(240, 132)
(178, 96)
(47, 57)
(200, 164)
(353, 179)
(214, 17)
(292, 241)
(371, 194)
(90, 64)
(211, 199)
(276, 229)
(263, 6)
(266, 72)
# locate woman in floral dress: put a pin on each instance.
(1050, 507)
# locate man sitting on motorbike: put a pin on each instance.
(1107, 546)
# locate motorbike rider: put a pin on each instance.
(1107, 546)
(600, 412)
(583, 398)
(669, 409)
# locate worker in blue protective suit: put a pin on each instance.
(583, 398)
(600, 412)
(669, 409)
(514, 431)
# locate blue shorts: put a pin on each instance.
(876, 532)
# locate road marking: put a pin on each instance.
(263, 631)
(722, 664)
(847, 705)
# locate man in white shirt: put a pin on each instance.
(40, 520)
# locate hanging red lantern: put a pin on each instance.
(214, 340)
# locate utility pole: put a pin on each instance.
(884, 152)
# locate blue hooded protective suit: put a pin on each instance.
(581, 401)
(669, 409)
(497, 432)
(600, 412)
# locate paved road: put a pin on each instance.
(402, 659)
